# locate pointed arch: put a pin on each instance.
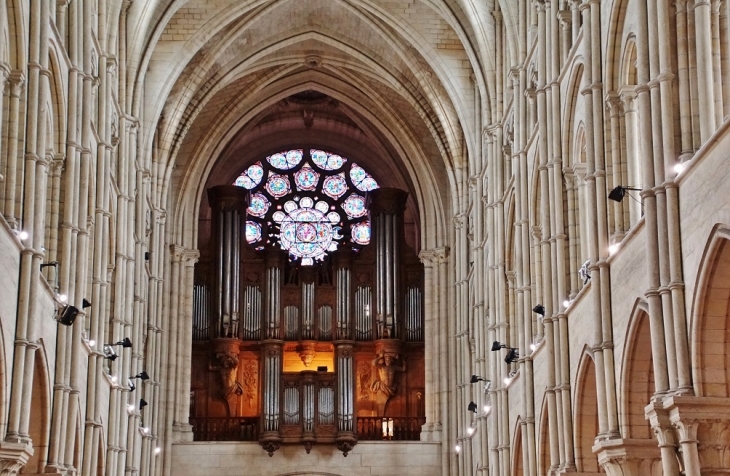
(586, 414)
(40, 413)
(543, 456)
(517, 464)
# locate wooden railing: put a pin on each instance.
(225, 429)
(390, 428)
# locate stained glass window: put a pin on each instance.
(259, 205)
(325, 160)
(286, 160)
(362, 180)
(306, 178)
(251, 177)
(253, 231)
(303, 205)
(335, 186)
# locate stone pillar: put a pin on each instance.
(346, 438)
(229, 213)
(386, 207)
(272, 358)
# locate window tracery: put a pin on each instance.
(308, 203)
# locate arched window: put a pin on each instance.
(307, 202)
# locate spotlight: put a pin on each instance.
(613, 249)
(92, 343)
(617, 194)
(158, 450)
(131, 408)
(507, 380)
(470, 431)
(487, 385)
(62, 297)
(539, 309)
(142, 403)
(472, 407)
(66, 315)
(679, 168)
(23, 235)
(566, 304)
(144, 430)
(114, 379)
(131, 384)
(146, 255)
(496, 345)
(457, 448)
(85, 304)
(142, 375)
(49, 264)
(533, 347)
(125, 343)
(475, 379)
(487, 408)
(512, 356)
(110, 353)
(584, 272)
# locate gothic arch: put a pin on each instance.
(710, 327)
(586, 415)
(40, 413)
(543, 456)
(517, 465)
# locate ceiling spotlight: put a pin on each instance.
(470, 430)
(142, 375)
(539, 309)
(85, 304)
(66, 315)
(110, 353)
(476, 378)
(512, 356)
(613, 249)
(472, 407)
(142, 403)
(496, 345)
(617, 194)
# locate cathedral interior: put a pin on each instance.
(364, 237)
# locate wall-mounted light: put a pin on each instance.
(472, 407)
(85, 304)
(584, 272)
(66, 315)
(487, 408)
(50, 264)
(457, 448)
(158, 450)
(476, 378)
(470, 430)
(613, 248)
(142, 404)
(512, 356)
(496, 345)
(21, 234)
(617, 194)
(679, 167)
(125, 343)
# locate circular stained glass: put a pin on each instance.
(334, 186)
(259, 205)
(253, 232)
(251, 177)
(278, 185)
(362, 180)
(306, 178)
(361, 233)
(354, 206)
(305, 232)
(286, 160)
(325, 160)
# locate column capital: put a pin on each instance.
(434, 256)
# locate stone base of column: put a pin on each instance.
(431, 432)
(182, 433)
(625, 456)
(13, 456)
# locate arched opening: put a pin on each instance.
(638, 379)
(543, 457)
(586, 416)
(518, 465)
(39, 420)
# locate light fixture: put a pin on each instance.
(91, 342)
(131, 385)
(496, 345)
(85, 304)
(476, 378)
(533, 347)
(472, 407)
(512, 356)
(567, 303)
(613, 249)
(142, 403)
(114, 378)
(679, 167)
(23, 235)
(617, 194)
(125, 343)
(539, 309)
(457, 448)
(507, 380)
(487, 408)
(62, 297)
(110, 353)
(470, 431)
(142, 375)
(144, 430)
(487, 385)
(66, 315)
(158, 450)
(52, 264)
(131, 408)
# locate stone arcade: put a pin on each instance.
(284, 237)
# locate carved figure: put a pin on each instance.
(385, 370)
(228, 363)
(250, 376)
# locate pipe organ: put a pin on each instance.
(323, 353)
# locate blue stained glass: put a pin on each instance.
(334, 186)
(362, 180)
(259, 205)
(278, 185)
(305, 231)
(306, 178)
(325, 160)
(286, 160)
(354, 206)
(253, 232)
(251, 177)
(361, 233)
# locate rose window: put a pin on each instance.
(307, 203)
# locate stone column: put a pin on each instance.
(272, 358)
(229, 213)
(386, 207)
(346, 438)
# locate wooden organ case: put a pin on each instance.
(323, 354)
